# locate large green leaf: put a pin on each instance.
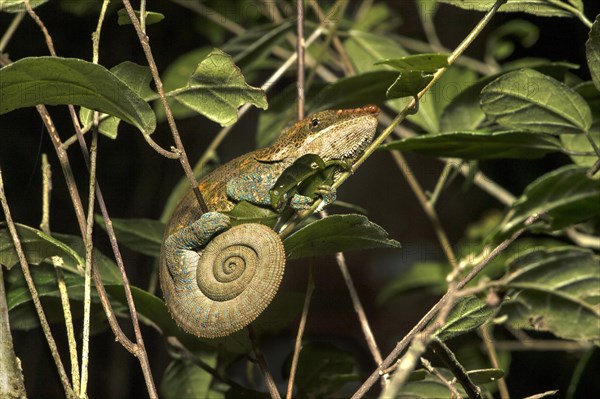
(581, 151)
(142, 235)
(175, 76)
(217, 88)
(565, 196)
(337, 233)
(137, 78)
(530, 100)
(60, 81)
(464, 111)
(540, 8)
(479, 145)
(592, 52)
(556, 290)
(36, 245)
(18, 5)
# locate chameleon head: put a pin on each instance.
(333, 135)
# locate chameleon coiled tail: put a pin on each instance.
(226, 285)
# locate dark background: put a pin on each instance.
(136, 183)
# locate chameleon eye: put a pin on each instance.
(314, 123)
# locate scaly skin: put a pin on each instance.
(340, 135)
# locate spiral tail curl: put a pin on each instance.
(237, 275)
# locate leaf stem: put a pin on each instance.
(10, 31)
(573, 11)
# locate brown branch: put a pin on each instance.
(262, 363)
(457, 369)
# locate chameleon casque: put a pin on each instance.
(217, 279)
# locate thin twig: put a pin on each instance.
(300, 46)
(183, 159)
(406, 365)
(358, 308)
(89, 250)
(60, 278)
(298, 345)
(34, 294)
(453, 391)
(447, 297)
(10, 31)
(490, 348)
(457, 369)
(427, 207)
(262, 363)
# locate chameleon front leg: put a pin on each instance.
(180, 247)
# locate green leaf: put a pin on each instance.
(22, 312)
(592, 52)
(365, 49)
(151, 17)
(137, 78)
(464, 112)
(426, 62)
(14, 6)
(540, 8)
(566, 196)
(366, 88)
(467, 314)
(421, 275)
(479, 145)
(322, 370)
(60, 81)
(176, 76)
(337, 233)
(579, 143)
(217, 88)
(141, 235)
(183, 379)
(36, 245)
(557, 290)
(527, 99)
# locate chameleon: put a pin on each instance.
(216, 279)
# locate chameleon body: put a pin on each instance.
(217, 279)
